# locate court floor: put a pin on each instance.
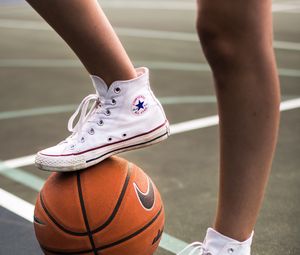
(41, 83)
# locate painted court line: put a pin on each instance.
(154, 65)
(25, 210)
(18, 162)
(287, 6)
(134, 32)
(37, 111)
(20, 176)
(16, 205)
(174, 129)
(69, 108)
(182, 6)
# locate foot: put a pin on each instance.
(218, 244)
(124, 117)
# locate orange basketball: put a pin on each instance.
(112, 208)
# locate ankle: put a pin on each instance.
(218, 243)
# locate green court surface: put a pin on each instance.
(42, 82)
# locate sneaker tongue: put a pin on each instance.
(99, 85)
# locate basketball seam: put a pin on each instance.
(98, 229)
(119, 202)
(84, 214)
(112, 244)
(58, 224)
(133, 234)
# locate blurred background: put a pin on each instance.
(42, 82)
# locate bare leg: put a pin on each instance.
(237, 41)
(84, 26)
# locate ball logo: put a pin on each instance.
(139, 105)
(146, 199)
(158, 236)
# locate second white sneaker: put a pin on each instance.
(217, 244)
(123, 117)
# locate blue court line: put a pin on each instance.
(36, 183)
(20, 176)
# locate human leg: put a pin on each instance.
(237, 41)
(84, 26)
(125, 114)
(236, 37)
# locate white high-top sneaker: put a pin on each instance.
(124, 116)
(217, 244)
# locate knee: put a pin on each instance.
(218, 45)
(228, 38)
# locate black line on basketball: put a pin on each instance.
(108, 245)
(120, 199)
(56, 223)
(98, 229)
(132, 235)
(65, 253)
(83, 210)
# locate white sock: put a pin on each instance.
(215, 242)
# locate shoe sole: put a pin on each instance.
(90, 158)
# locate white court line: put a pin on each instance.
(286, 6)
(19, 162)
(182, 5)
(155, 65)
(135, 32)
(16, 205)
(174, 129)
(26, 210)
(149, 5)
(290, 104)
(194, 124)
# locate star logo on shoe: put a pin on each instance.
(139, 105)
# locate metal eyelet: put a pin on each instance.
(91, 131)
(100, 123)
(117, 90)
(113, 101)
(82, 139)
(107, 112)
(230, 250)
(109, 139)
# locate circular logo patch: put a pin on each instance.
(139, 105)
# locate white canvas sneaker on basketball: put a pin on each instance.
(123, 117)
(217, 244)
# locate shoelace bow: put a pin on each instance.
(195, 248)
(84, 113)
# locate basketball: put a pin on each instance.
(112, 208)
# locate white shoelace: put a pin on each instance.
(98, 107)
(195, 248)
(84, 115)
